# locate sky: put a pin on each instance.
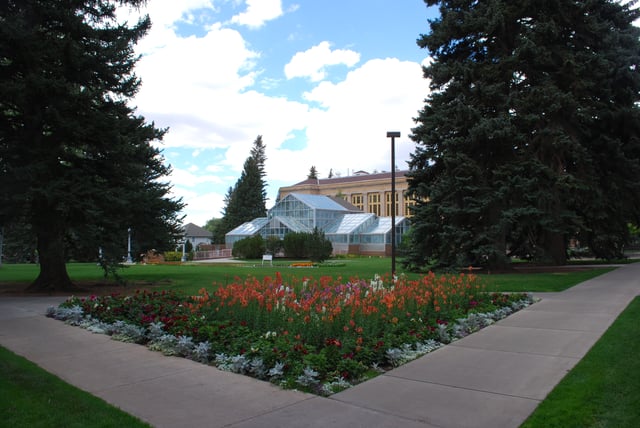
(321, 81)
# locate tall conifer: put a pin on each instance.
(530, 136)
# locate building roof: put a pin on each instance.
(383, 225)
(323, 202)
(196, 231)
(348, 223)
(351, 178)
(250, 228)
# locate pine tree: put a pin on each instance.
(247, 199)
(530, 135)
(76, 163)
(313, 173)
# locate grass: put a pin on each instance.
(603, 389)
(189, 278)
(31, 397)
(540, 282)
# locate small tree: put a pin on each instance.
(294, 244)
(313, 173)
(318, 248)
(313, 246)
(252, 247)
(273, 245)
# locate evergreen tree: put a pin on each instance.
(530, 135)
(214, 225)
(76, 163)
(247, 199)
(313, 173)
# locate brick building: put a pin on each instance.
(370, 193)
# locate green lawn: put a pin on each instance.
(31, 397)
(603, 390)
(189, 278)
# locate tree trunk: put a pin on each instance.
(53, 270)
(555, 248)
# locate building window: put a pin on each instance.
(387, 201)
(356, 200)
(408, 204)
(373, 203)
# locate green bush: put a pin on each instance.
(318, 248)
(294, 244)
(274, 245)
(252, 247)
(313, 246)
(176, 256)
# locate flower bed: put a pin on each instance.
(302, 264)
(317, 335)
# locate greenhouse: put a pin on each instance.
(350, 230)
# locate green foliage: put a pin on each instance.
(294, 244)
(252, 247)
(216, 227)
(176, 256)
(529, 136)
(273, 245)
(318, 248)
(313, 246)
(247, 199)
(76, 162)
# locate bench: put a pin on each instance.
(267, 258)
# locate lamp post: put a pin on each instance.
(393, 136)
(129, 259)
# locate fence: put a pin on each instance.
(215, 254)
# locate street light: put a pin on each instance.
(393, 136)
(129, 259)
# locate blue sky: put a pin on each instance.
(321, 81)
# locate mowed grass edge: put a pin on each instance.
(603, 389)
(31, 397)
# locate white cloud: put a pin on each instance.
(200, 207)
(258, 13)
(186, 178)
(313, 62)
(350, 132)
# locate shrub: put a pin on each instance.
(252, 247)
(273, 245)
(318, 248)
(313, 246)
(176, 256)
(294, 244)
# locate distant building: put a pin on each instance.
(197, 235)
(370, 193)
(350, 230)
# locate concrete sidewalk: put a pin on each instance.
(493, 378)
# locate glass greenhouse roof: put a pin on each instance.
(384, 225)
(251, 227)
(319, 202)
(293, 224)
(348, 223)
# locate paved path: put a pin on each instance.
(493, 378)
